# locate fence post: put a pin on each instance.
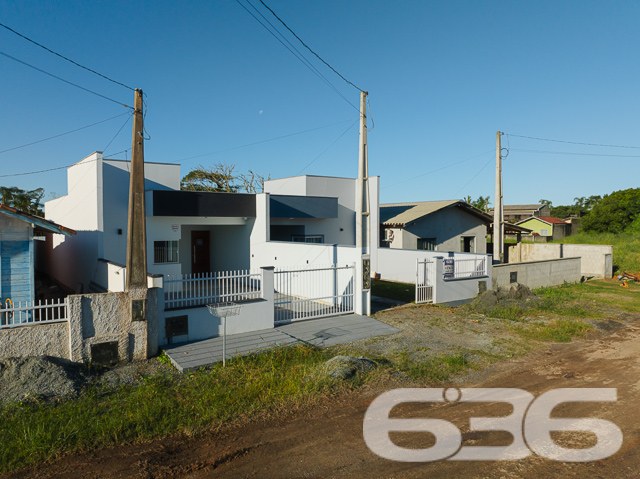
(267, 287)
(438, 272)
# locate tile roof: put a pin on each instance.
(546, 219)
(36, 220)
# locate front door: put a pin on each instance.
(200, 250)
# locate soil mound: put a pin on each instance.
(511, 295)
(345, 367)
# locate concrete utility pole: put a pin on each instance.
(136, 233)
(363, 218)
(498, 216)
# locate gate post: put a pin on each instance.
(438, 272)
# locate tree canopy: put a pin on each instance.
(614, 213)
(221, 178)
(482, 203)
(28, 201)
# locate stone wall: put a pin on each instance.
(36, 340)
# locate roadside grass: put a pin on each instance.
(559, 330)
(267, 385)
(393, 290)
(626, 248)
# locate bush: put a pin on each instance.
(614, 213)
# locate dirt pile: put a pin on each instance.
(345, 367)
(515, 294)
(39, 377)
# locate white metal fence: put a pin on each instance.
(188, 290)
(39, 312)
(305, 293)
(425, 276)
(466, 268)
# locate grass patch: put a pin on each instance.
(405, 292)
(626, 248)
(249, 387)
(435, 369)
(559, 330)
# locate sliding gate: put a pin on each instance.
(425, 276)
(306, 293)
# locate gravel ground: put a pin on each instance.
(47, 378)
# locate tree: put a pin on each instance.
(614, 213)
(481, 203)
(220, 178)
(545, 202)
(28, 201)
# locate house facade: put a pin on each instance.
(547, 226)
(434, 226)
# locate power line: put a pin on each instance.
(307, 47)
(298, 56)
(474, 176)
(65, 58)
(63, 80)
(574, 142)
(63, 134)
(259, 142)
(575, 153)
(116, 135)
(327, 149)
(435, 171)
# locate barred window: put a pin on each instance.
(165, 252)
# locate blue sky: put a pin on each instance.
(442, 77)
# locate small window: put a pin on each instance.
(428, 244)
(544, 232)
(307, 238)
(165, 252)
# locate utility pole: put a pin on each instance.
(363, 218)
(498, 216)
(136, 233)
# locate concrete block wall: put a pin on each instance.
(597, 260)
(538, 274)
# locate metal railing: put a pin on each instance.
(189, 290)
(305, 293)
(38, 312)
(467, 268)
(425, 275)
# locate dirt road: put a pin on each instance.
(329, 442)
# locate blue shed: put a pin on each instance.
(17, 276)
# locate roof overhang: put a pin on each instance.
(202, 203)
(289, 206)
(36, 221)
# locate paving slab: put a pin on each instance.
(323, 332)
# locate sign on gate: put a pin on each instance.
(448, 267)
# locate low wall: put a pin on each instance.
(538, 274)
(35, 340)
(400, 264)
(597, 260)
(459, 290)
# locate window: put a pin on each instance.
(165, 252)
(428, 244)
(467, 244)
(307, 238)
(544, 232)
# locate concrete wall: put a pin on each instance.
(538, 274)
(457, 291)
(35, 340)
(447, 226)
(597, 260)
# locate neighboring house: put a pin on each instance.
(515, 213)
(553, 228)
(434, 225)
(17, 252)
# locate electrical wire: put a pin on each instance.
(576, 142)
(575, 153)
(474, 176)
(117, 153)
(373, 123)
(63, 80)
(63, 134)
(307, 47)
(435, 171)
(116, 135)
(300, 58)
(65, 58)
(261, 141)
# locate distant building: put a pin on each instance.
(434, 225)
(515, 213)
(552, 228)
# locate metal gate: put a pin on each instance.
(305, 293)
(425, 276)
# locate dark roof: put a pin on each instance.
(401, 214)
(203, 203)
(36, 220)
